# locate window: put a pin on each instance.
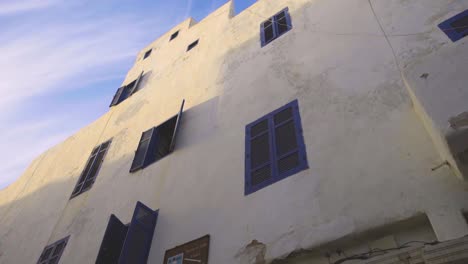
(157, 142)
(52, 253)
(195, 251)
(91, 170)
(275, 26)
(193, 45)
(126, 91)
(456, 27)
(274, 148)
(173, 36)
(128, 244)
(147, 54)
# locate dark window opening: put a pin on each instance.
(147, 54)
(274, 147)
(193, 45)
(126, 91)
(52, 253)
(456, 27)
(91, 170)
(128, 244)
(275, 26)
(174, 35)
(157, 142)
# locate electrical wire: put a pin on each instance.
(372, 252)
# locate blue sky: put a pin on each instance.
(62, 60)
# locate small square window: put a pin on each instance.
(275, 26)
(157, 142)
(193, 45)
(456, 27)
(52, 253)
(274, 148)
(91, 170)
(174, 35)
(147, 54)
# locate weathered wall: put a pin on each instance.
(369, 154)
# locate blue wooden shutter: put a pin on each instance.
(139, 161)
(135, 89)
(282, 22)
(112, 242)
(140, 234)
(176, 128)
(117, 95)
(259, 157)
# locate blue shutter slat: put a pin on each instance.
(137, 243)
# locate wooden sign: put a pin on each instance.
(193, 252)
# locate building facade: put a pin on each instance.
(297, 131)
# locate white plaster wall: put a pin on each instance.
(370, 157)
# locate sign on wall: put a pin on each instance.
(193, 252)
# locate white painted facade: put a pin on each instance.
(377, 83)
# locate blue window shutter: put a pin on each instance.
(278, 135)
(176, 128)
(91, 170)
(142, 150)
(117, 95)
(262, 34)
(112, 242)
(288, 18)
(456, 27)
(135, 89)
(137, 243)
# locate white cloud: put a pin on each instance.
(11, 7)
(56, 53)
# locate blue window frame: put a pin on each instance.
(275, 26)
(91, 170)
(157, 142)
(147, 54)
(193, 45)
(126, 91)
(52, 253)
(456, 27)
(274, 148)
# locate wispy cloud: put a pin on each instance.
(12, 7)
(68, 48)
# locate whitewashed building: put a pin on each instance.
(297, 131)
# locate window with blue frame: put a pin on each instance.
(274, 148)
(147, 54)
(52, 253)
(456, 27)
(157, 142)
(91, 169)
(275, 26)
(128, 244)
(126, 91)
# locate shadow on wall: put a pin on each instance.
(27, 223)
